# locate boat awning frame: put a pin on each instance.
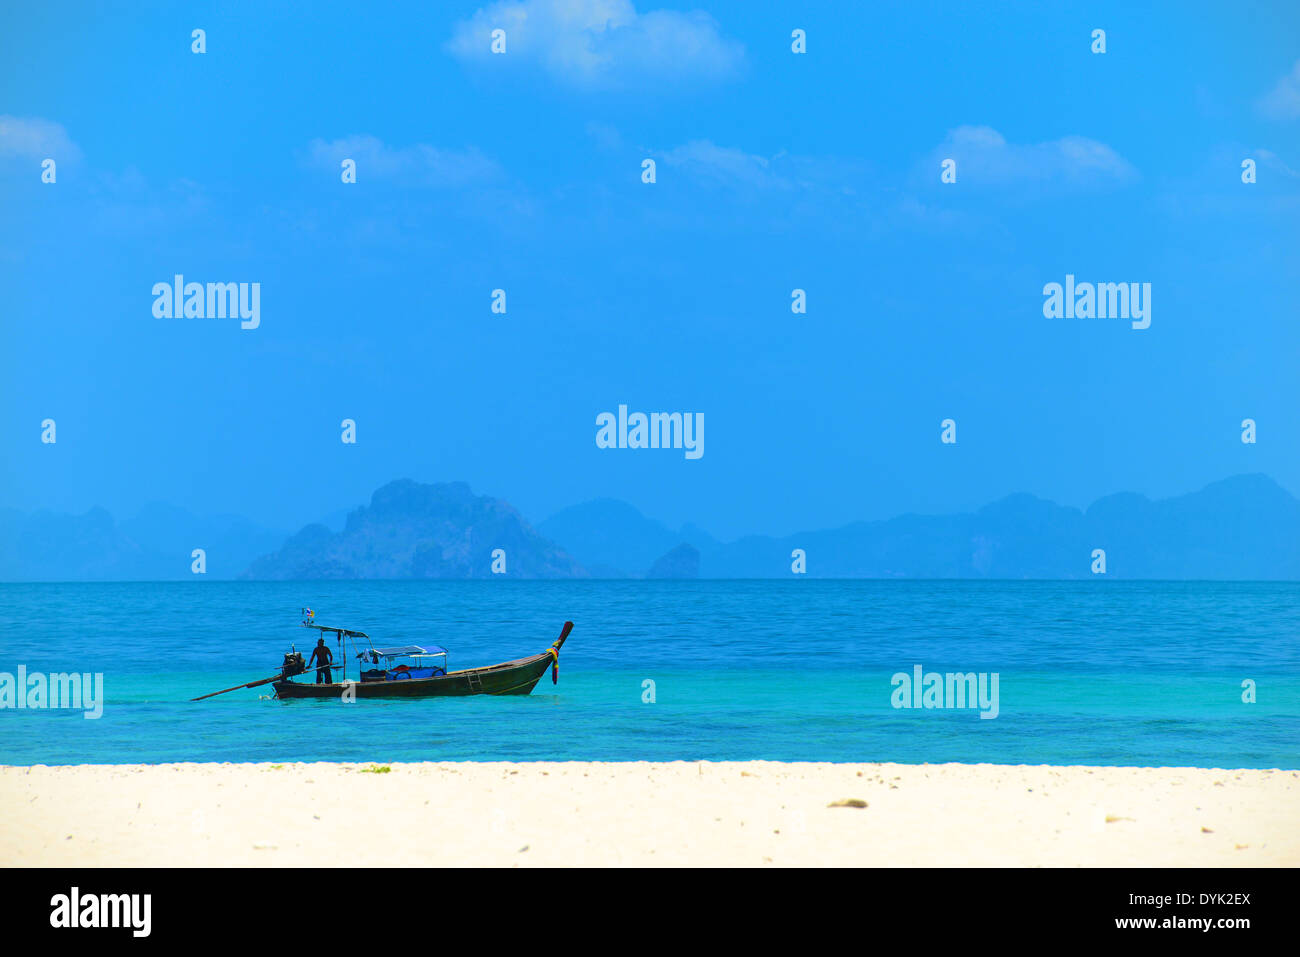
(410, 650)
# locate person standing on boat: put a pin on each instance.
(323, 657)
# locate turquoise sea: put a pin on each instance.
(1096, 672)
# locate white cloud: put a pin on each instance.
(724, 165)
(1283, 101)
(593, 43)
(1271, 160)
(418, 165)
(35, 139)
(983, 155)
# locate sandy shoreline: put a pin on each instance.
(754, 813)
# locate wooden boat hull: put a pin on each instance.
(512, 677)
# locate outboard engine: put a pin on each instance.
(293, 664)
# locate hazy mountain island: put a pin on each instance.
(614, 540)
(155, 545)
(682, 562)
(1244, 527)
(411, 530)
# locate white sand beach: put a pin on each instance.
(683, 813)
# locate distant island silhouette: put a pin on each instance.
(1243, 527)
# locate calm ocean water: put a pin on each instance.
(1110, 673)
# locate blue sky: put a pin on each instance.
(521, 171)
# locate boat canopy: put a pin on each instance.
(410, 650)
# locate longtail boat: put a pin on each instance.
(405, 671)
